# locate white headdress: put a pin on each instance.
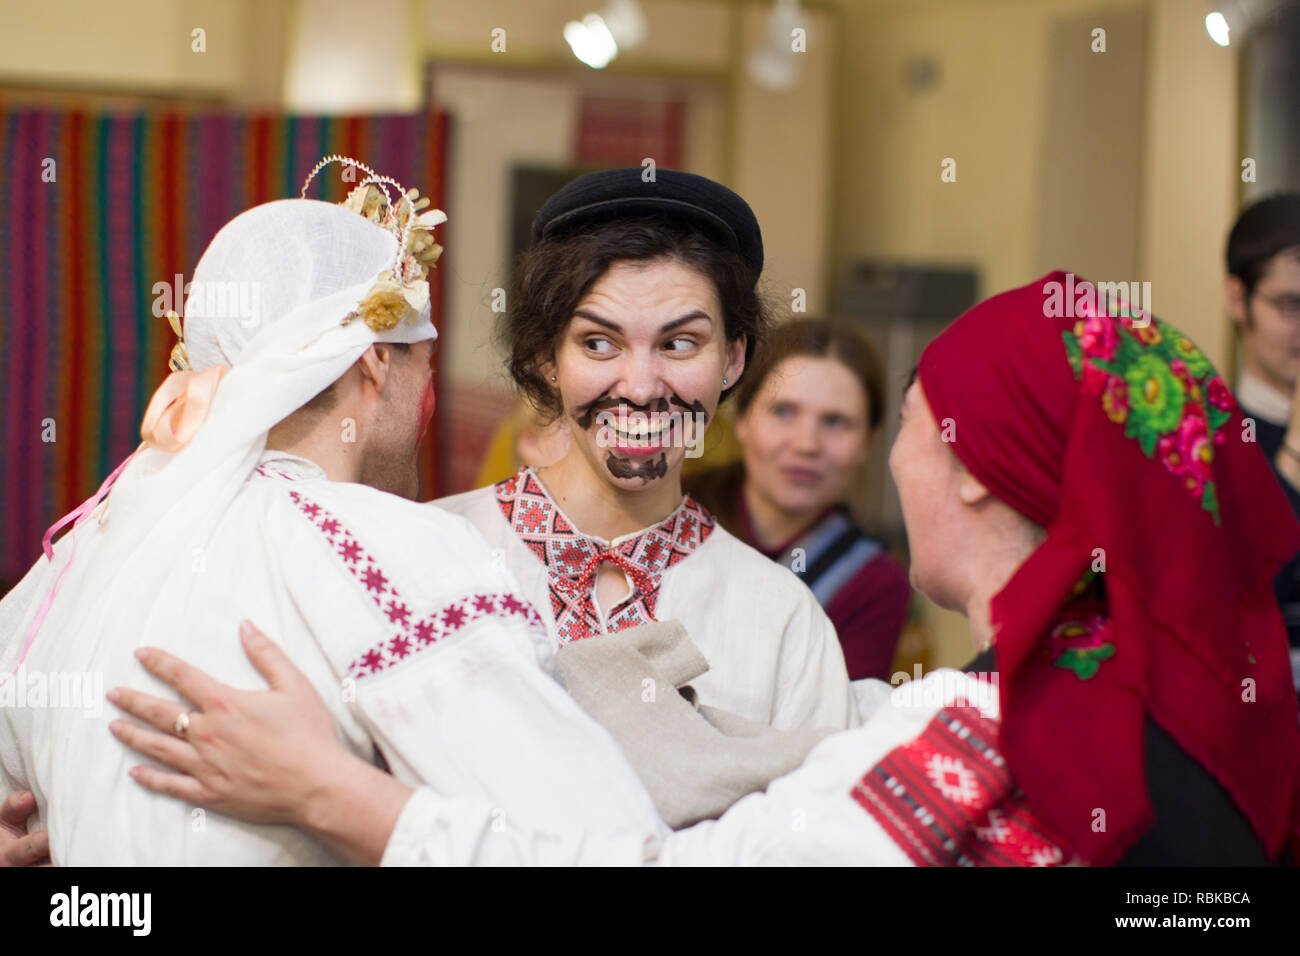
(285, 299)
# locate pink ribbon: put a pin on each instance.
(75, 517)
(174, 416)
(179, 408)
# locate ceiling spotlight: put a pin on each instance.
(773, 65)
(1217, 27)
(591, 41)
(1236, 19)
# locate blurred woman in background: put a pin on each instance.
(806, 414)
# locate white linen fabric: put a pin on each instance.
(273, 265)
(847, 805)
(773, 654)
(278, 321)
(695, 760)
(419, 647)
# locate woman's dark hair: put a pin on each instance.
(550, 279)
(818, 338)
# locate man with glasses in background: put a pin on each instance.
(1263, 295)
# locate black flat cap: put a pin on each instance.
(617, 193)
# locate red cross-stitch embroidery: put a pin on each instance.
(946, 798)
(572, 559)
(412, 635)
(268, 473)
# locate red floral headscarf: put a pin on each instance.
(1112, 431)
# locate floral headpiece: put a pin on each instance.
(401, 291)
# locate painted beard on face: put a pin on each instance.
(649, 462)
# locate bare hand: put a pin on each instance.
(17, 846)
(258, 756)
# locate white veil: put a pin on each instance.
(268, 299)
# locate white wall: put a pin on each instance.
(346, 57)
(498, 122)
(143, 46)
(1192, 174)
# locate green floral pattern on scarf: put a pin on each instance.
(1084, 661)
(1079, 638)
(1155, 382)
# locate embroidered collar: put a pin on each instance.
(572, 558)
(287, 467)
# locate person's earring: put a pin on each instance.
(552, 378)
(724, 382)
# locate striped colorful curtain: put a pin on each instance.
(98, 211)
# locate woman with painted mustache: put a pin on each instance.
(630, 318)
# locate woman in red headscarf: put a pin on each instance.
(1078, 481)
